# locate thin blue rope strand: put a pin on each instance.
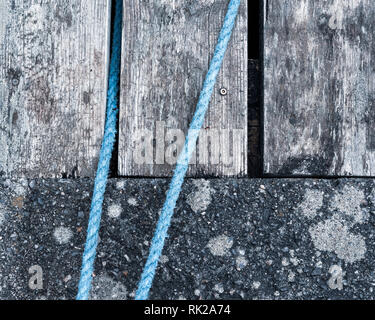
(161, 231)
(104, 161)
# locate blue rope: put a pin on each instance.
(183, 161)
(104, 160)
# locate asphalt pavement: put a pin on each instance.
(229, 239)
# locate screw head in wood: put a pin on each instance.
(223, 91)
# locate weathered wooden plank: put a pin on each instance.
(53, 79)
(319, 87)
(167, 47)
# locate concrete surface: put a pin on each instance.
(229, 239)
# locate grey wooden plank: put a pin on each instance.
(319, 87)
(167, 47)
(53, 83)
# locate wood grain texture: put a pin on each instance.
(167, 48)
(53, 83)
(319, 87)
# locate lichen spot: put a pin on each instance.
(201, 197)
(62, 235)
(312, 202)
(114, 211)
(220, 245)
(333, 235)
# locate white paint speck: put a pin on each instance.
(219, 288)
(269, 262)
(62, 235)
(294, 261)
(241, 251)
(220, 245)
(164, 259)
(291, 276)
(241, 263)
(197, 292)
(2, 217)
(114, 211)
(256, 285)
(285, 262)
(133, 202)
(120, 185)
(201, 197)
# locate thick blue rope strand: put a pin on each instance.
(183, 161)
(104, 160)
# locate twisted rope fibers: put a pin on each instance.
(104, 160)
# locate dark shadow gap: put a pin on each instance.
(264, 177)
(113, 166)
(262, 18)
(261, 82)
(254, 89)
(254, 29)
